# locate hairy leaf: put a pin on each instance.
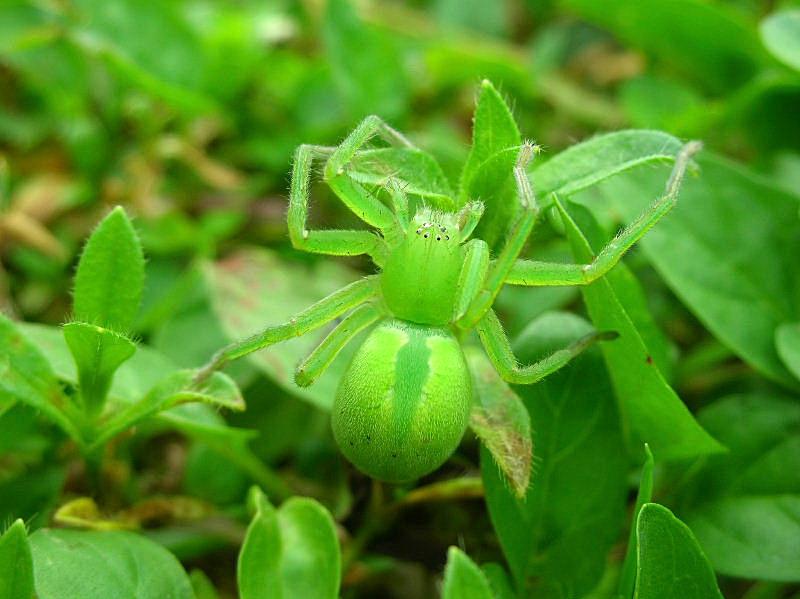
(110, 276)
(16, 563)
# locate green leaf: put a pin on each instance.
(488, 171)
(500, 420)
(98, 352)
(744, 506)
(780, 33)
(463, 579)
(202, 586)
(110, 277)
(219, 390)
(752, 537)
(26, 376)
(650, 408)
(499, 581)
(787, 343)
(671, 563)
(365, 64)
(255, 288)
(417, 172)
(16, 564)
(578, 486)
(710, 43)
(588, 163)
(627, 578)
(740, 232)
(99, 565)
(289, 552)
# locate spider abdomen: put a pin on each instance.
(403, 404)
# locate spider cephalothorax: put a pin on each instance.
(403, 404)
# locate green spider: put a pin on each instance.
(402, 406)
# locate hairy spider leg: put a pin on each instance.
(498, 348)
(321, 313)
(317, 362)
(535, 273)
(498, 271)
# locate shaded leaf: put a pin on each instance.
(98, 352)
(253, 289)
(650, 408)
(99, 565)
(671, 563)
(463, 579)
(578, 484)
(500, 420)
(289, 552)
(110, 276)
(787, 343)
(780, 33)
(16, 563)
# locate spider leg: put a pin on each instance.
(483, 300)
(313, 317)
(498, 349)
(473, 273)
(334, 242)
(534, 273)
(313, 366)
(358, 198)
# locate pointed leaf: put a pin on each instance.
(488, 171)
(463, 579)
(289, 552)
(649, 406)
(787, 342)
(110, 277)
(500, 421)
(16, 563)
(780, 33)
(97, 352)
(671, 563)
(627, 578)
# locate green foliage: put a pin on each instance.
(16, 563)
(185, 115)
(670, 562)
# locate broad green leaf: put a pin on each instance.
(366, 66)
(110, 276)
(599, 158)
(463, 579)
(661, 103)
(488, 171)
(627, 578)
(98, 352)
(499, 581)
(710, 43)
(744, 506)
(253, 289)
(578, 485)
(787, 342)
(16, 564)
(99, 565)
(500, 420)
(219, 390)
(289, 552)
(27, 377)
(740, 232)
(651, 410)
(671, 563)
(780, 33)
(751, 536)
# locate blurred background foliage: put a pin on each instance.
(187, 113)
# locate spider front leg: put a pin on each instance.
(498, 348)
(534, 273)
(317, 315)
(497, 273)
